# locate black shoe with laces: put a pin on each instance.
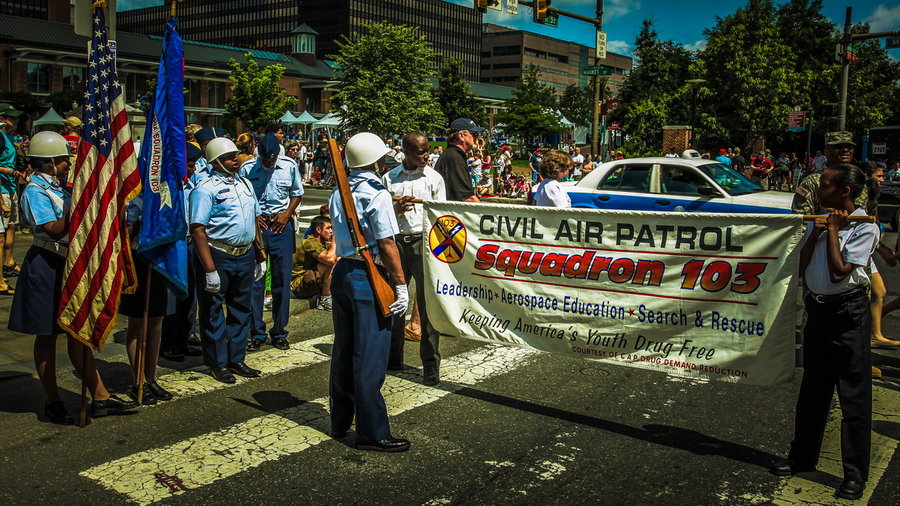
(148, 398)
(254, 344)
(55, 412)
(281, 343)
(112, 406)
(172, 355)
(159, 392)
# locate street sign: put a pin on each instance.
(551, 20)
(879, 148)
(597, 70)
(892, 43)
(601, 45)
(613, 126)
(796, 121)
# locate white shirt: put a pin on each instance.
(423, 183)
(578, 159)
(857, 242)
(551, 194)
(433, 158)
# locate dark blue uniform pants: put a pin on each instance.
(836, 353)
(362, 338)
(280, 248)
(177, 327)
(225, 337)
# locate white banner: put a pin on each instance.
(691, 294)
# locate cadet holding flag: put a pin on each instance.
(278, 188)
(223, 226)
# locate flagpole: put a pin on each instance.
(143, 344)
(84, 359)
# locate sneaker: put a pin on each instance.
(254, 344)
(324, 303)
(267, 303)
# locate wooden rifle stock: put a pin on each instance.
(384, 294)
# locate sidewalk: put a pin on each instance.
(16, 355)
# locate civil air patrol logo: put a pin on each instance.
(447, 239)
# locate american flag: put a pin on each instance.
(99, 267)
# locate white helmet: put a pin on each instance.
(48, 144)
(364, 149)
(219, 147)
(690, 153)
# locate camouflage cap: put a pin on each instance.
(838, 138)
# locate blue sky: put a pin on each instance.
(682, 22)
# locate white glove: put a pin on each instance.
(401, 302)
(260, 271)
(213, 283)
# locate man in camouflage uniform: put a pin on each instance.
(839, 148)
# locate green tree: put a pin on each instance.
(577, 105)
(531, 111)
(752, 73)
(872, 87)
(62, 100)
(256, 98)
(455, 95)
(656, 93)
(385, 81)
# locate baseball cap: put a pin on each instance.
(464, 124)
(722, 151)
(73, 122)
(839, 138)
(9, 110)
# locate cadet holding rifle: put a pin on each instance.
(363, 305)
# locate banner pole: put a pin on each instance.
(853, 219)
(83, 413)
(142, 348)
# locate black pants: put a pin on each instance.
(414, 268)
(178, 327)
(836, 353)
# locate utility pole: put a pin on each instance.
(846, 42)
(597, 91)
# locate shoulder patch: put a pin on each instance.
(803, 192)
(375, 184)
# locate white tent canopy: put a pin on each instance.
(306, 118)
(330, 120)
(287, 118)
(50, 118)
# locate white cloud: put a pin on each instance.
(699, 45)
(883, 19)
(619, 46)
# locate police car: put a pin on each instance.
(675, 185)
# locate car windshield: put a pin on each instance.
(730, 181)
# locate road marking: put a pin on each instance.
(146, 477)
(799, 490)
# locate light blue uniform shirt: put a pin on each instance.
(202, 170)
(373, 207)
(227, 207)
(273, 187)
(41, 204)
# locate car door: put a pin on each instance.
(683, 188)
(626, 186)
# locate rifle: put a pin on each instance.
(384, 294)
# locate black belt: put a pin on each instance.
(408, 238)
(839, 297)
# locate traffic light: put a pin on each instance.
(481, 6)
(540, 10)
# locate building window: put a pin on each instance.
(507, 50)
(38, 77)
(192, 98)
(73, 78)
(498, 66)
(216, 94)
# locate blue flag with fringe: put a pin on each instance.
(162, 162)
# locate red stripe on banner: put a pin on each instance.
(84, 148)
(615, 291)
(633, 251)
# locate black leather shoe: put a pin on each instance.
(337, 434)
(788, 467)
(281, 343)
(850, 489)
(158, 391)
(194, 340)
(242, 369)
(172, 355)
(55, 412)
(222, 374)
(192, 350)
(254, 344)
(431, 377)
(391, 444)
(111, 406)
(147, 400)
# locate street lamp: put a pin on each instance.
(694, 83)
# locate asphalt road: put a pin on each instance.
(506, 426)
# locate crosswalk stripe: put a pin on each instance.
(799, 490)
(153, 475)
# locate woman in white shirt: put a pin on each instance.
(555, 166)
